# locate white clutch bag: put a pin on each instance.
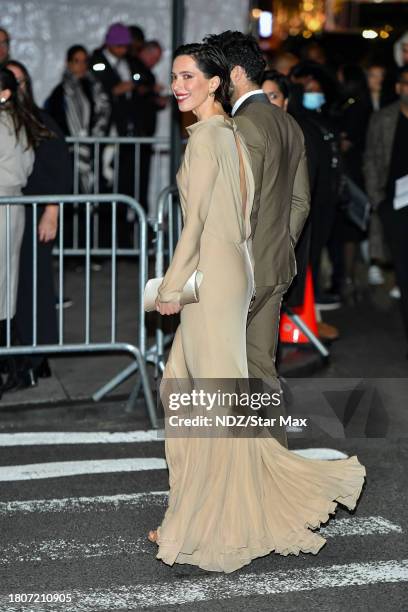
(189, 294)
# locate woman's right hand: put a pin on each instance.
(168, 308)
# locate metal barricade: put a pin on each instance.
(117, 165)
(135, 349)
(168, 228)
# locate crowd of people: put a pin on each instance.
(353, 118)
(111, 92)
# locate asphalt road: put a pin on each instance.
(84, 535)
(76, 503)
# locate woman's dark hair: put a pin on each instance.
(22, 107)
(6, 34)
(26, 94)
(72, 51)
(212, 62)
(280, 80)
(240, 50)
(320, 74)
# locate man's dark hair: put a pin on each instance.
(72, 51)
(136, 33)
(212, 62)
(280, 80)
(240, 50)
(152, 44)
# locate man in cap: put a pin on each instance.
(112, 66)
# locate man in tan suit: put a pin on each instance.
(282, 199)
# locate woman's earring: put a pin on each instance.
(211, 94)
(3, 100)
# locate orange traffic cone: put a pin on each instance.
(289, 333)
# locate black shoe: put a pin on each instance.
(19, 378)
(43, 370)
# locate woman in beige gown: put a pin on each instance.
(231, 499)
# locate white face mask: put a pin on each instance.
(313, 100)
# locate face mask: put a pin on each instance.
(313, 100)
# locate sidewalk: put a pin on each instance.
(372, 341)
(77, 377)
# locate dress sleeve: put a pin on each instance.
(202, 172)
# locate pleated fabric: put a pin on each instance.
(231, 499)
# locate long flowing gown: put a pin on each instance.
(231, 499)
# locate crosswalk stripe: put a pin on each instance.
(360, 526)
(35, 471)
(83, 504)
(59, 469)
(326, 454)
(60, 549)
(225, 587)
(44, 438)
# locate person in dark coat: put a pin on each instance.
(138, 40)
(316, 96)
(80, 107)
(386, 162)
(381, 88)
(112, 66)
(278, 89)
(149, 103)
(89, 113)
(51, 175)
(353, 113)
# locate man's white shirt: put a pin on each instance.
(242, 99)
